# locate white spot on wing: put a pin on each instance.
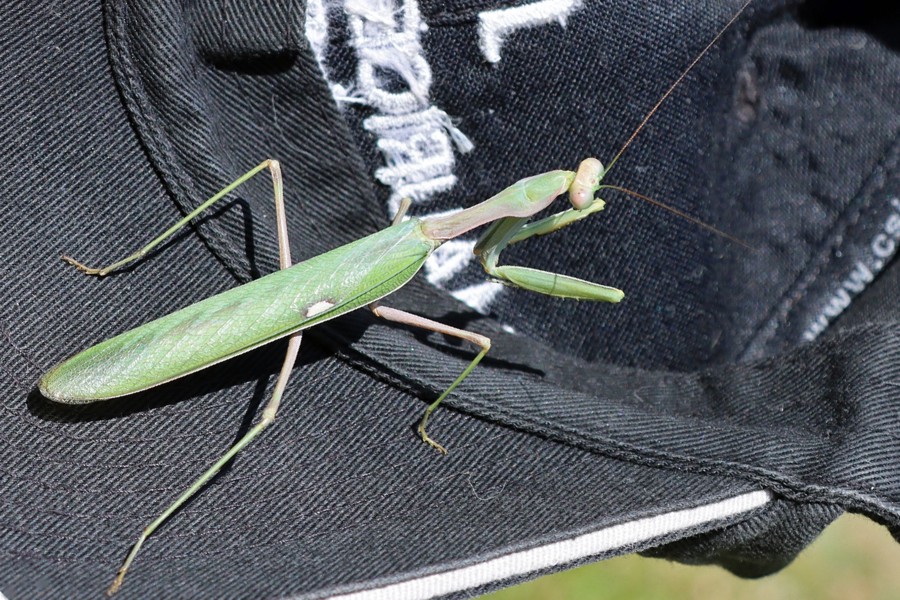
(318, 308)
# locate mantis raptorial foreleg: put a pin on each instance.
(399, 316)
(271, 408)
(511, 230)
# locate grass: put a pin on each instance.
(854, 559)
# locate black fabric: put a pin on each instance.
(224, 35)
(698, 387)
(756, 546)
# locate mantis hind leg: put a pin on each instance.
(267, 418)
(271, 408)
(405, 318)
(273, 167)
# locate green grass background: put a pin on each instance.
(853, 559)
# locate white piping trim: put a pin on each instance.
(564, 552)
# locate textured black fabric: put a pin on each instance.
(759, 545)
(224, 35)
(121, 117)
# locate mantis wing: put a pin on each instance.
(236, 321)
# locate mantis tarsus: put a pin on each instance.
(299, 296)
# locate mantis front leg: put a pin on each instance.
(506, 215)
(511, 230)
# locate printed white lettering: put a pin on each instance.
(882, 247)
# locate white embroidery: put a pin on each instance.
(415, 137)
(480, 295)
(317, 31)
(419, 156)
(495, 25)
(448, 260)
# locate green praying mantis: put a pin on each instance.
(288, 301)
(298, 296)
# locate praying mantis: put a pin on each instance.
(324, 287)
(298, 296)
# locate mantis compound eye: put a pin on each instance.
(587, 180)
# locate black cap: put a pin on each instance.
(726, 410)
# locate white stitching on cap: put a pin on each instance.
(495, 25)
(415, 137)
